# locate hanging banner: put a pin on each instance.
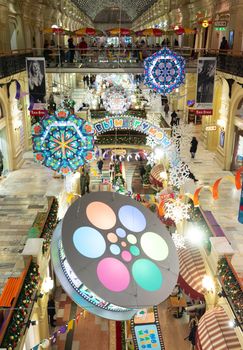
(240, 215)
(35, 67)
(147, 337)
(206, 69)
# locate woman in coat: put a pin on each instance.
(193, 148)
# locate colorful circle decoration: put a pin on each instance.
(116, 100)
(164, 71)
(120, 250)
(63, 141)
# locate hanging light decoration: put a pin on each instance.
(116, 100)
(164, 71)
(63, 142)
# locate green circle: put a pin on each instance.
(147, 275)
(134, 250)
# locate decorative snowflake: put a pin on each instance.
(177, 211)
(182, 135)
(179, 240)
(150, 141)
(151, 159)
(179, 174)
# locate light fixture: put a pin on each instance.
(234, 323)
(47, 285)
(17, 124)
(208, 284)
(194, 234)
(221, 123)
(163, 175)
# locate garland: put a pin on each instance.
(18, 320)
(112, 139)
(231, 287)
(50, 225)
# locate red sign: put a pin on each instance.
(37, 113)
(203, 111)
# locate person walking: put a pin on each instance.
(192, 334)
(100, 165)
(82, 184)
(173, 118)
(1, 163)
(166, 109)
(51, 310)
(87, 182)
(193, 148)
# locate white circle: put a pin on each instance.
(154, 246)
(132, 239)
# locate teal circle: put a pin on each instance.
(147, 275)
(134, 250)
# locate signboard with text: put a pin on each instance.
(147, 337)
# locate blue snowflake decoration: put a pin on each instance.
(164, 71)
(63, 142)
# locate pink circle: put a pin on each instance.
(113, 274)
(101, 215)
(126, 256)
(123, 244)
(112, 237)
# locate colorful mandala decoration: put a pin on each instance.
(63, 141)
(116, 100)
(115, 254)
(164, 71)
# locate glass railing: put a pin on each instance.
(14, 61)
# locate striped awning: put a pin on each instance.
(214, 332)
(155, 176)
(192, 271)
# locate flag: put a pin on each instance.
(70, 325)
(54, 338)
(62, 329)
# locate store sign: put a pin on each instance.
(211, 128)
(131, 123)
(220, 24)
(203, 111)
(37, 113)
(147, 337)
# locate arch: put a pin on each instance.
(158, 135)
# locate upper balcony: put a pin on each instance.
(116, 60)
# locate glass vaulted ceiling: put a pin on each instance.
(133, 8)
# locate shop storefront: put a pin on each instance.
(237, 160)
(3, 142)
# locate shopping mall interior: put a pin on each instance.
(127, 117)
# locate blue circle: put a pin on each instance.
(132, 218)
(115, 249)
(120, 232)
(89, 242)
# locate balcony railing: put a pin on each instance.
(14, 61)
